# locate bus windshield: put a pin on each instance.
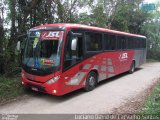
(42, 53)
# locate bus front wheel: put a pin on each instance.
(91, 81)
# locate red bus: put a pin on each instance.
(61, 58)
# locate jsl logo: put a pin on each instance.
(53, 34)
(123, 56)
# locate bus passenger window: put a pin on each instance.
(129, 43)
(93, 41)
(121, 43)
(110, 42)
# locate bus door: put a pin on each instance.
(73, 55)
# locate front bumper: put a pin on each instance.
(52, 89)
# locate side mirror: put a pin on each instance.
(74, 43)
(18, 47)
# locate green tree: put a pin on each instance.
(116, 14)
(151, 29)
(102, 18)
(96, 18)
(129, 17)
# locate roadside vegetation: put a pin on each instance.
(152, 104)
(10, 89)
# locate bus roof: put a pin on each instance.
(67, 25)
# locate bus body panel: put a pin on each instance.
(140, 57)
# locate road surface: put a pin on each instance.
(108, 95)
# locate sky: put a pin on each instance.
(150, 1)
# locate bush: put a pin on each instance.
(151, 106)
(153, 55)
(10, 88)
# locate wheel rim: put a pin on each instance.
(91, 81)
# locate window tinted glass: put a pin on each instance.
(110, 42)
(136, 43)
(72, 57)
(93, 41)
(144, 43)
(121, 43)
(130, 43)
(48, 48)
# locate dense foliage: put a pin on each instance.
(17, 16)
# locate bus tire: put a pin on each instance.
(91, 81)
(132, 68)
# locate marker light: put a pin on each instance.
(22, 83)
(22, 74)
(53, 80)
(54, 91)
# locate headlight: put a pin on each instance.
(53, 80)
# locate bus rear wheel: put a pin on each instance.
(132, 68)
(91, 81)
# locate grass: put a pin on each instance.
(10, 89)
(152, 104)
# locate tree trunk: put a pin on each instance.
(1, 45)
(1, 35)
(10, 51)
(28, 11)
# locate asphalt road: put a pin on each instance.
(108, 95)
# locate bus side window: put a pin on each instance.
(144, 43)
(110, 42)
(134, 43)
(121, 43)
(130, 44)
(93, 41)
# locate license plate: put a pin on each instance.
(34, 89)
